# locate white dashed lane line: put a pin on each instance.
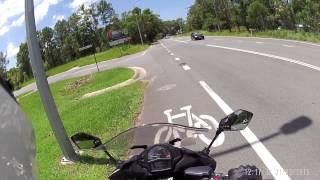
(177, 59)
(186, 67)
(259, 42)
(286, 45)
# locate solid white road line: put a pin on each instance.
(177, 59)
(275, 39)
(286, 45)
(144, 53)
(270, 162)
(186, 67)
(270, 56)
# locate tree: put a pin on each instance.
(195, 17)
(105, 12)
(257, 15)
(15, 77)
(61, 31)
(3, 64)
(51, 54)
(309, 16)
(23, 62)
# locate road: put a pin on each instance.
(277, 80)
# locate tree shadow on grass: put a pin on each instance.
(288, 128)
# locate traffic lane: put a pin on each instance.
(187, 91)
(277, 93)
(297, 51)
(232, 139)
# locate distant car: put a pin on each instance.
(197, 36)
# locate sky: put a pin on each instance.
(47, 12)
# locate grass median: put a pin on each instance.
(109, 54)
(104, 116)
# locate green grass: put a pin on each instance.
(281, 34)
(104, 116)
(102, 56)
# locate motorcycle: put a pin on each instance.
(135, 155)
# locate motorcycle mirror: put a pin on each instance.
(236, 121)
(85, 141)
(188, 141)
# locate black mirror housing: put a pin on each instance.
(236, 121)
(86, 141)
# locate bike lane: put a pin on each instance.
(171, 90)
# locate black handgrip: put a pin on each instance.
(139, 147)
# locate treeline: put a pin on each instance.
(258, 15)
(88, 25)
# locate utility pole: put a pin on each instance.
(141, 39)
(139, 30)
(43, 87)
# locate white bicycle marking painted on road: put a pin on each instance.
(271, 163)
(201, 121)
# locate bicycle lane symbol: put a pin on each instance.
(201, 121)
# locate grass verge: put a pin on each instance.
(280, 34)
(102, 56)
(104, 116)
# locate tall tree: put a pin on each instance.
(3, 64)
(51, 54)
(23, 62)
(257, 15)
(105, 12)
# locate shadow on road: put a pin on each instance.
(288, 128)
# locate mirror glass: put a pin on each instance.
(236, 121)
(85, 141)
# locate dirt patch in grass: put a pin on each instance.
(77, 83)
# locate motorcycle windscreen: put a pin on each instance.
(150, 134)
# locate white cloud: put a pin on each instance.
(11, 10)
(18, 22)
(4, 29)
(42, 9)
(76, 3)
(12, 51)
(55, 18)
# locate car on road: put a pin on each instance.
(197, 36)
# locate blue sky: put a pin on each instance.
(47, 12)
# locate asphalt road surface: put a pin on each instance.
(277, 80)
